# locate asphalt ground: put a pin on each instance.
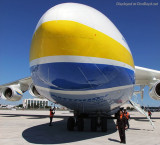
(18, 127)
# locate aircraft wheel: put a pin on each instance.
(94, 124)
(104, 124)
(70, 124)
(80, 124)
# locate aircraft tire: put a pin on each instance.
(93, 124)
(80, 124)
(104, 124)
(70, 124)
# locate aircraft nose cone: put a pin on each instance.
(76, 47)
(78, 30)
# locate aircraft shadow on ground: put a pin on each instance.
(58, 133)
(31, 116)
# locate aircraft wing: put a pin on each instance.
(145, 76)
(14, 91)
(23, 83)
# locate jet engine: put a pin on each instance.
(12, 93)
(155, 91)
(33, 91)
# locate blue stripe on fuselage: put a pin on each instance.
(80, 76)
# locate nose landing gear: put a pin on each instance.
(96, 122)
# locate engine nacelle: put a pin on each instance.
(155, 91)
(12, 93)
(33, 91)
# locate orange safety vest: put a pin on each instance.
(121, 116)
(149, 113)
(51, 114)
(126, 115)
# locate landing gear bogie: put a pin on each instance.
(95, 123)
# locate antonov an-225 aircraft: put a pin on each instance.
(79, 59)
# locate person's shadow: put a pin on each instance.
(58, 133)
(114, 140)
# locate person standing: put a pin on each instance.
(121, 126)
(149, 113)
(127, 115)
(51, 116)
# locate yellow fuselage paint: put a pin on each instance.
(63, 37)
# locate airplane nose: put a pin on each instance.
(79, 30)
(75, 47)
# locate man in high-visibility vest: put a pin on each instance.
(51, 115)
(126, 114)
(121, 126)
(149, 113)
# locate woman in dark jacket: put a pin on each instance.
(121, 126)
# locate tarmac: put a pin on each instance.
(18, 127)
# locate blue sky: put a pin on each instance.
(140, 25)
